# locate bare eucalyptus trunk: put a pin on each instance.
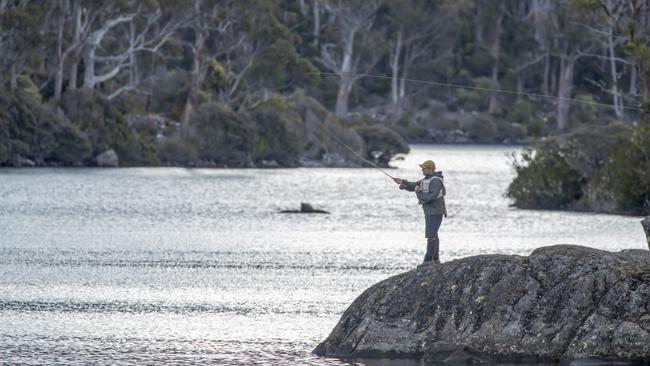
(316, 15)
(394, 86)
(13, 83)
(547, 72)
(74, 66)
(72, 80)
(478, 26)
(195, 78)
(133, 61)
(552, 84)
(632, 86)
(565, 86)
(89, 70)
(58, 77)
(496, 49)
(616, 93)
(345, 80)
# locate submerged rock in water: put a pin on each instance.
(561, 303)
(305, 208)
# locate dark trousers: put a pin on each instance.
(432, 224)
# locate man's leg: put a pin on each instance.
(432, 223)
(436, 251)
(432, 248)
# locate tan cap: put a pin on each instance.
(429, 164)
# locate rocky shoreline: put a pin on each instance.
(562, 303)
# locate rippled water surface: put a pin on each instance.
(170, 265)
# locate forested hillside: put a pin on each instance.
(272, 82)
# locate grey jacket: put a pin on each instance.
(432, 201)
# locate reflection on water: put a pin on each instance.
(173, 265)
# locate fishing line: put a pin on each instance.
(512, 92)
(352, 150)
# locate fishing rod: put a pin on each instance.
(495, 90)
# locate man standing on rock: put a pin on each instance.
(430, 192)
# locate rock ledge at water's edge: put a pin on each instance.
(561, 303)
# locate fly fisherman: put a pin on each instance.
(431, 195)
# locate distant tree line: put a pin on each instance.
(152, 79)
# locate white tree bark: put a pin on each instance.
(565, 86)
(90, 56)
(345, 79)
(395, 56)
(142, 40)
(196, 78)
(316, 16)
(350, 19)
(495, 53)
(617, 99)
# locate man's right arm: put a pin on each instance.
(409, 186)
(404, 184)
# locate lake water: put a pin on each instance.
(171, 265)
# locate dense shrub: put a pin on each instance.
(522, 112)
(221, 136)
(29, 129)
(169, 93)
(106, 128)
(544, 179)
(627, 173)
(481, 129)
(535, 128)
(382, 143)
(600, 169)
(177, 151)
(277, 137)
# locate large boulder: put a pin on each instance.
(108, 158)
(561, 303)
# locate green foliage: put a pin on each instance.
(31, 130)
(134, 147)
(481, 129)
(93, 114)
(215, 75)
(522, 112)
(108, 129)
(222, 136)
(277, 136)
(474, 100)
(170, 93)
(544, 179)
(586, 6)
(584, 112)
(72, 147)
(382, 138)
(27, 85)
(274, 60)
(177, 151)
(580, 170)
(627, 174)
(509, 132)
(535, 128)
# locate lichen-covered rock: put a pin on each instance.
(107, 158)
(560, 303)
